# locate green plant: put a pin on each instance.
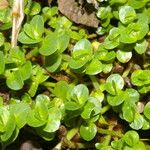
(63, 74)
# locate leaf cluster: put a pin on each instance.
(61, 74)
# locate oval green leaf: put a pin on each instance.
(88, 132)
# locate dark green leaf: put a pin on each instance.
(45, 135)
(53, 62)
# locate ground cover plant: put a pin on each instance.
(75, 74)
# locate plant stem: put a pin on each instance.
(49, 84)
(72, 133)
(107, 140)
(105, 109)
(69, 136)
(32, 53)
(91, 36)
(108, 132)
(74, 28)
(145, 140)
(58, 146)
(127, 71)
(95, 83)
(72, 75)
(74, 145)
(17, 18)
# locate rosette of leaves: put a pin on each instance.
(38, 76)
(104, 54)
(32, 8)
(90, 114)
(52, 47)
(132, 28)
(15, 68)
(79, 104)
(13, 118)
(129, 141)
(104, 14)
(62, 23)
(130, 112)
(105, 57)
(5, 15)
(49, 13)
(81, 54)
(44, 117)
(132, 32)
(137, 4)
(112, 42)
(84, 60)
(141, 79)
(32, 31)
(126, 99)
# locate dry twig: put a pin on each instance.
(17, 18)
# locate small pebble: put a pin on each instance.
(30, 145)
